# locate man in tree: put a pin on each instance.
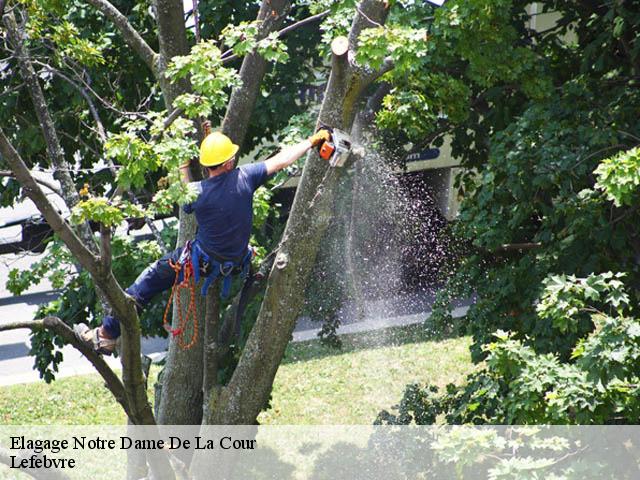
(224, 214)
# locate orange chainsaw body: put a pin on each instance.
(336, 150)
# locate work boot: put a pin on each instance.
(92, 339)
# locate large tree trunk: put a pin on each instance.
(182, 389)
(180, 401)
(248, 391)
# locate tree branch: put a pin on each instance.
(302, 23)
(252, 71)
(369, 15)
(112, 381)
(57, 223)
(44, 183)
(54, 149)
(129, 34)
(172, 41)
(85, 94)
(42, 111)
(105, 247)
(30, 324)
(173, 116)
(139, 410)
(228, 57)
(61, 329)
(371, 76)
(517, 247)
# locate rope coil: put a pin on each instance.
(188, 283)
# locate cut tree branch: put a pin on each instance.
(129, 34)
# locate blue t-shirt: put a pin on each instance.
(224, 209)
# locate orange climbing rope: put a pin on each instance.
(187, 283)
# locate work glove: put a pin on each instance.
(320, 137)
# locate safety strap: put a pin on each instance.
(219, 267)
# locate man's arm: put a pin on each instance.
(288, 155)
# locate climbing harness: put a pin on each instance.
(194, 263)
(215, 266)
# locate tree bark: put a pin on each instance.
(248, 391)
(172, 39)
(211, 348)
(181, 398)
(130, 35)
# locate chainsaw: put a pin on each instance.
(336, 150)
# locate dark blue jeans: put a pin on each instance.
(156, 278)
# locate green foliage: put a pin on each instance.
(262, 212)
(273, 49)
(336, 24)
(210, 80)
(108, 212)
(166, 149)
(133, 153)
(56, 267)
(447, 62)
(241, 38)
(175, 192)
(519, 386)
(537, 188)
(72, 45)
(553, 171)
(619, 177)
(566, 298)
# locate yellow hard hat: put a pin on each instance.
(216, 149)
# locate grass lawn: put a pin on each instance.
(314, 385)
